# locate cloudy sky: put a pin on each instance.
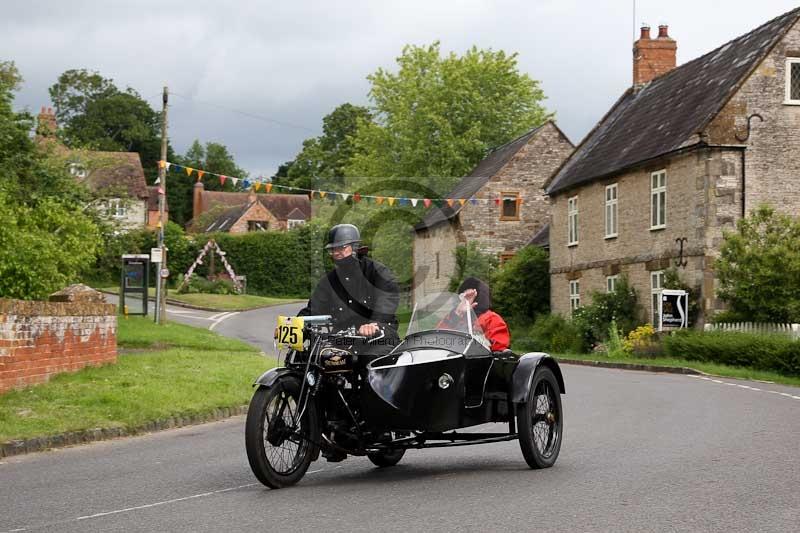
(259, 76)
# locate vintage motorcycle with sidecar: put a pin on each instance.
(440, 378)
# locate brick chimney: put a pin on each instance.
(197, 197)
(46, 124)
(653, 57)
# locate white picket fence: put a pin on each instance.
(790, 330)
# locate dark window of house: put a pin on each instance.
(257, 225)
(510, 206)
(793, 80)
(437, 265)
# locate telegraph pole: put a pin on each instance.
(161, 297)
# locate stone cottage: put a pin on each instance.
(510, 207)
(680, 157)
(241, 212)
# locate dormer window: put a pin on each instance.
(78, 170)
(793, 80)
(115, 207)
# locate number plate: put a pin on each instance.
(289, 332)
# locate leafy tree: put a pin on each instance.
(521, 287)
(438, 116)
(759, 268)
(94, 113)
(46, 237)
(211, 157)
(470, 261)
(322, 161)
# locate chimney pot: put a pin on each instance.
(653, 57)
(662, 31)
(645, 32)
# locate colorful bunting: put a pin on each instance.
(222, 180)
(356, 197)
(391, 200)
(414, 202)
(189, 171)
(200, 174)
(268, 187)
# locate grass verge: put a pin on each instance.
(193, 371)
(220, 302)
(708, 368)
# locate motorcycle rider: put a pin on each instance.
(358, 292)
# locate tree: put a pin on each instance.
(438, 116)
(322, 161)
(470, 261)
(94, 113)
(46, 237)
(759, 268)
(522, 286)
(213, 157)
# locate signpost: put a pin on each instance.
(673, 308)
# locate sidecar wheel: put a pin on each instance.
(387, 458)
(278, 456)
(540, 421)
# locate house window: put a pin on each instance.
(116, 208)
(793, 80)
(78, 170)
(611, 211)
(658, 199)
(574, 295)
(437, 265)
(293, 223)
(257, 225)
(572, 221)
(506, 256)
(510, 206)
(611, 283)
(656, 284)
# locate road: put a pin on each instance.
(641, 452)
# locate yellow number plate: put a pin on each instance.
(289, 332)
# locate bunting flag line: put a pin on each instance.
(355, 197)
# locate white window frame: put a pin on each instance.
(611, 217)
(611, 283)
(572, 221)
(658, 199)
(294, 222)
(656, 284)
(78, 170)
(790, 61)
(116, 208)
(574, 295)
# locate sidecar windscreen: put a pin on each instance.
(441, 311)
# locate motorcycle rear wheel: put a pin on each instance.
(277, 441)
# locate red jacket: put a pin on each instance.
(495, 329)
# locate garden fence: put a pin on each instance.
(790, 330)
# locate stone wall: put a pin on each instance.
(42, 339)
(772, 164)
(434, 259)
(257, 212)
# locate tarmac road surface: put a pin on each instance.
(641, 452)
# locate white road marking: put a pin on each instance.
(219, 318)
(746, 387)
(165, 502)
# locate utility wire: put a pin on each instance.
(244, 113)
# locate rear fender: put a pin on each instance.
(523, 375)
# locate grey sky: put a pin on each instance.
(293, 62)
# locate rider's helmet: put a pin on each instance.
(341, 235)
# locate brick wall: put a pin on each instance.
(41, 339)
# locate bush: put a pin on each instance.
(207, 286)
(620, 306)
(761, 352)
(521, 287)
(550, 333)
(642, 342)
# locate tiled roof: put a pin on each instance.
(152, 200)
(280, 205)
(490, 165)
(662, 116)
(228, 218)
(542, 237)
(117, 171)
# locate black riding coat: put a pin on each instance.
(358, 291)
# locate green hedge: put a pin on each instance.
(762, 352)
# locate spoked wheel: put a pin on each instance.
(541, 421)
(277, 433)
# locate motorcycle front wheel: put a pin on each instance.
(278, 434)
